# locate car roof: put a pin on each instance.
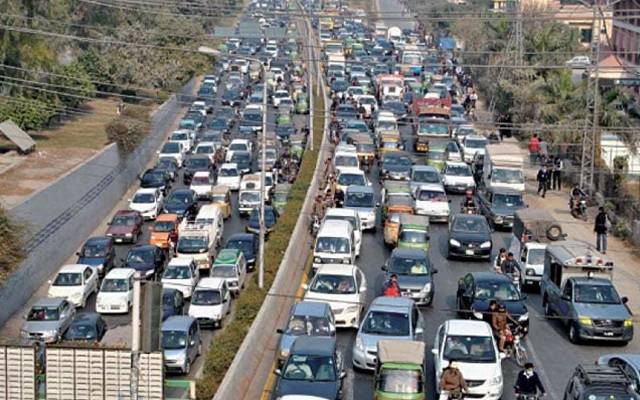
(314, 345)
(409, 253)
(350, 170)
(336, 269)
(487, 276)
(503, 190)
(391, 304)
(229, 165)
(359, 188)
(167, 217)
(210, 283)
(180, 260)
(120, 273)
(86, 317)
(468, 327)
(147, 190)
(425, 168)
(48, 301)
(431, 186)
(457, 163)
(242, 236)
(342, 212)
(333, 226)
(199, 174)
(227, 256)
(311, 308)
(177, 323)
(470, 216)
(104, 240)
(593, 281)
(78, 268)
(473, 136)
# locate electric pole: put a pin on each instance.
(519, 57)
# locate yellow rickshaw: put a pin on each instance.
(221, 197)
(395, 206)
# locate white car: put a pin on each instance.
(531, 262)
(355, 92)
(431, 200)
(116, 292)
(472, 346)
(182, 274)
(271, 49)
(175, 150)
(579, 62)
(344, 288)
(229, 175)
(238, 145)
(210, 302)
(286, 102)
(472, 144)
(76, 283)
(278, 74)
(457, 177)
(199, 106)
(351, 216)
(279, 95)
(202, 183)
(349, 176)
(148, 202)
(184, 137)
(344, 157)
(208, 149)
(244, 64)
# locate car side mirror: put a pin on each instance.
(419, 331)
(343, 374)
(434, 351)
(192, 343)
(565, 298)
(523, 259)
(225, 300)
(278, 372)
(49, 281)
(378, 204)
(78, 253)
(280, 331)
(624, 300)
(449, 200)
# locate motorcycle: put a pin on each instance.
(515, 278)
(513, 347)
(468, 210)
(523, 396)
(578, 208)
(314, 225)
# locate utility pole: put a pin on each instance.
(592, 119)
(136, 323)
(262, 172)
(519, 58)
(310, 74)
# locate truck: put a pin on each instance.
(432, 120)
(577, 287)
(390, 86)
(503, 167)
(336, 59)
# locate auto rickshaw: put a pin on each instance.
(280, 197)
(164, 231)
(297, 143)
(221, 196)
(413, 232)
(390, 142)
(365, 148)
(437, 155)
(400, 371)
(393, 208)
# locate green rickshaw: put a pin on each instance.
(280, 197)
(414, 232)
(400, 371)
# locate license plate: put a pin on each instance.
(406, 294)
(118, 240)
(608, 333)
(114, 307)
(469, 252)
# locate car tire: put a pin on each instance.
(199, 353)
(574, 335)
(187, 366)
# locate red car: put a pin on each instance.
(126, 226)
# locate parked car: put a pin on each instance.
(147, 260)
(125, 226)
(181, 343)
(76, 283)
(469, 237)
(99, 253)
(579, 62)
(87, 327)
(47, 320)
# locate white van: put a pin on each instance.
(345, 214)
(210, 302)
(229, 175)
(249, 195)
(431, 200)
(335, 244)
(210, 216)
(116, 292)
(199, 239)
(182, 274)
(346, 156)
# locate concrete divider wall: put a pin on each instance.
(62, 215)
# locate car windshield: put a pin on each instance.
(94, 250)
(153, 177)
(253, 116)
(170, 148)
(405, 381)
(177, 272)
(228, 172)
(68, 279)
(144, 198)
(115, 285)
(458, 170)
(386, 125)
(81, 332)
(143, 256)
(596, 294)
(426, 176)
(179, 136)
(470, 225)
(433, 129)
(333, 284)
(507, 176)
(123, 220)
(386, 323)
(409, 266)
(326, 244)
(196, 163)
(204, 297)
(309, 368)
(179, 198)
(241, 157)
(499, 291)
(205, 150)
(507, 200)
(174, 340)
(359, 199)
(473, 349)
(604, 393)
(535, 256)
(413, 237)
(345, 161)
(475, 143)
(192, 244)
(431, 195)
(250, 196)
(309, 326)
(224, 271)
(164, 226)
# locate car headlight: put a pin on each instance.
(454, 242)
(530, 271)
(585, 321)
(485, 245)
(346, 261)
(426, 288)
(359, 344)
(128, 234)
(24, 334)
(496, 380)
(284, 353)
(628, 323)
(523, 317)
(498, 219)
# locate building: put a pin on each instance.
(611, 147)
(626, 30)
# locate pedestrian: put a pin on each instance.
(543, 178)
(534, 148)
(601, 227)
(543, 151)
(558, 166)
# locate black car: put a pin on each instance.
(469, 237)
(251, 122)
(415, 274)
(172, 303)
(195, 164)
(248, 244)
(285, 131)
(99, 253)
(229, 114)
(600, 382)
(396, 166)
(148, 260)
(219, 125)
(346, 111)
(270, 219)
(499, 206)
(197, 117)
(477, 289)
(313, 368)
(232, 97)
(339, 86)
(170, 165)
(182, 202)
(86, 327)
(243, 159)
(156, 178)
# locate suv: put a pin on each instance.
(599, 381)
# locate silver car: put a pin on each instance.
(47, 320)
(181, 343)
(395, 318)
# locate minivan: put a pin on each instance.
(335, 244)
(362, 199)
(210, 302)
(181, 343)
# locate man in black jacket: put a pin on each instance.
(528, 382)
(600, 229)
(543, 180)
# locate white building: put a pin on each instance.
(611, 147)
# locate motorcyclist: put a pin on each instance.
(577, 194)
(510, 267)
(452, 383)
(468, 201)
(528, 382)
(500, 258)
(392, 287)
(500, 325)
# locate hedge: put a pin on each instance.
(227, 343)
(12, 250)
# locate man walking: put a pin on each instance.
(534, 148)
(543, 180)
(558, 166)
(601, 228)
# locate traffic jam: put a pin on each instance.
(431, 276)
(193, 223)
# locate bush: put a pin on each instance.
(129, 129)
(226, 345)
(27, 113)
(12, 250)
